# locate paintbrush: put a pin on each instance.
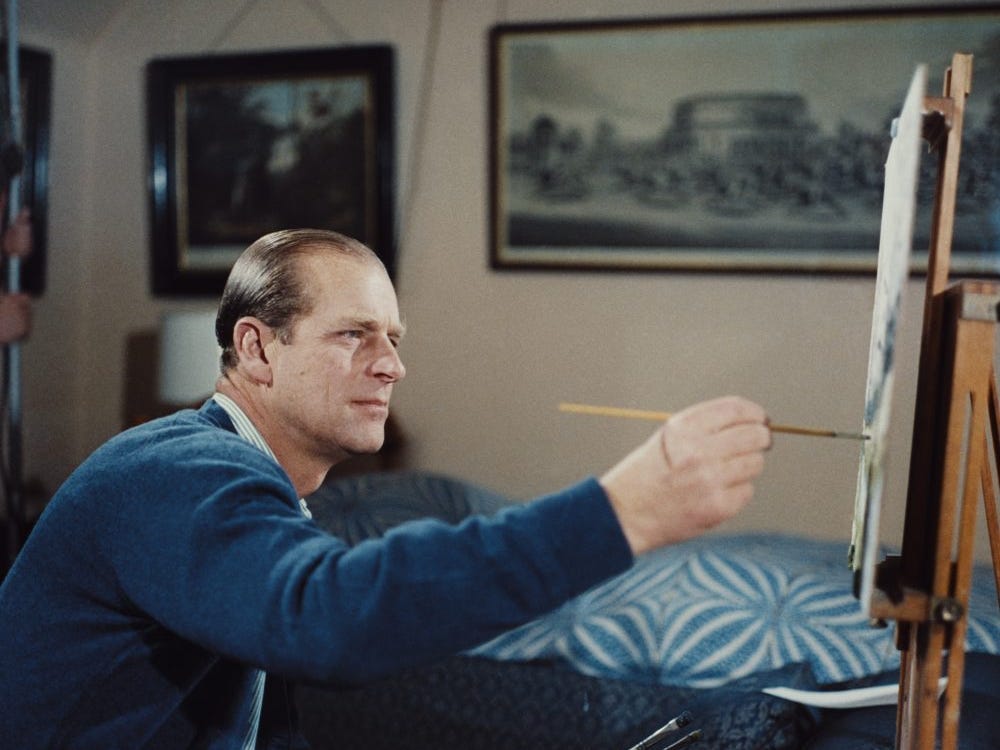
(661, 416)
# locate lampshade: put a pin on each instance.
(189, 357)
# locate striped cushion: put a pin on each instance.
(716, 609)
(699, 614)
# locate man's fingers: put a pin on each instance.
(741, 469)
(17, 238)
(680, 445)
(741, 438)
(718, 414)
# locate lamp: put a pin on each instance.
(189, 357)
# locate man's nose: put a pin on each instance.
(388, 363)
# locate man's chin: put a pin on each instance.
(365, 446)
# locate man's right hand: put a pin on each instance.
(15, 317)
(17, 237)
(693, 473)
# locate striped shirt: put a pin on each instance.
(246, 430)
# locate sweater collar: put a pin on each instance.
(244, 427)
(246, 430)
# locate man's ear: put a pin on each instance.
(250, 339)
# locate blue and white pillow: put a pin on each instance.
(710, 611)
(699, 614)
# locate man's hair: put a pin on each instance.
(265, 283)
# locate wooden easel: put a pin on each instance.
(956, 423)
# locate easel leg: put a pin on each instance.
(903, 699)
(992, 526)
(974, 376)
(970, 407)
(989, 495)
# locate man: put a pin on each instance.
(176, 566)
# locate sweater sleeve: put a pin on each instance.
(224, 559)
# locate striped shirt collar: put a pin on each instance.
(246, 430)
(244, 427)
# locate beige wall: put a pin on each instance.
(489, 354)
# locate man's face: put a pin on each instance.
(333, 377)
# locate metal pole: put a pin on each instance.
(13, 359)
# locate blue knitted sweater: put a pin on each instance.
(175, 559)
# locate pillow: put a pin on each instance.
(715, 609)
(366, 506)
(700, 614)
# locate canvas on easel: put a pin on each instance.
(895, 243)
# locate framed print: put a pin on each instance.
(35, 84)
(241, 145)
(732, 144)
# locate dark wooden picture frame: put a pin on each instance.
(243, 144)
(747, 143)
(35, 69)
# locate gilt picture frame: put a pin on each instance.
(749, 143)
(244, 144)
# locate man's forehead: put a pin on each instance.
(330, 260)
(345, 276)
(354, 291)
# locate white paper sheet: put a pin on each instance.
(880, 695)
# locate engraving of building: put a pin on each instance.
(742, 128)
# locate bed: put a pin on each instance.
(699, 627)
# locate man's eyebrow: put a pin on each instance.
(367, 323)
